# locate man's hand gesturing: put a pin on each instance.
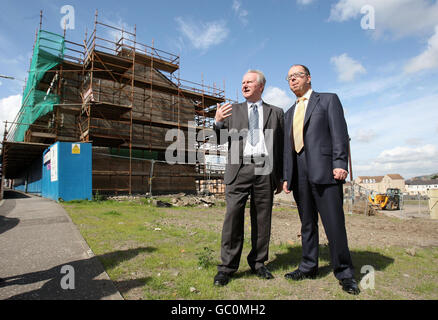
(223, 112)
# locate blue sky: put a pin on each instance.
(380, 57)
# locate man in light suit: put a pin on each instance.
(254, 131)
(314, 168)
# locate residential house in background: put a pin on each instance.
(379, 184)
(370, 183)
(415, 187)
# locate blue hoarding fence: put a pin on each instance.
(67, 172)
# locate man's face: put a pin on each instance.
(251, 89)
(299, 80)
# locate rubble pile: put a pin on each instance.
(176, 200)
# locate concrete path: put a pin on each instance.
(44, 257)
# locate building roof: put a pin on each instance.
(421, 182)
(395, 176)
(376, 178)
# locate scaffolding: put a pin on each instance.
(123, 96)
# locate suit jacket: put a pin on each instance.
(236, 128)
(325, 139)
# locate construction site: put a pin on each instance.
(122, 97)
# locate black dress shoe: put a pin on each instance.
(221, 279)
(300, 275)
(349, 285)
(263, 273)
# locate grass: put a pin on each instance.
(172, 253)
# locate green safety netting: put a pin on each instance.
(47, 54)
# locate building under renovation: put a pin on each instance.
(123, 97)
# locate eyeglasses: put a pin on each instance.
(296, 75)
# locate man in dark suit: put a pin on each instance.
(254, 131)
(315, 167)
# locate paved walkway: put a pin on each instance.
(43, 256)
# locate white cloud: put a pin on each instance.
(364, 135)
(236, 5)
(400, 18)
(240, 12)
(401, 160)
(404, 141)
(408, 154)
(406, 160)
(426, 60)
(347, 68)
(368, 88)
(203, 35)
(304, 2)
(277, 97)
(115, 35)
(415, 118)
(9, 108)
(414, 141)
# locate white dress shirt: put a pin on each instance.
(306, 102)
(260, 148)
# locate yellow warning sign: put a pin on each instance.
(76, 148)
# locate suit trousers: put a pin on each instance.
(328, 201)
(260, 189)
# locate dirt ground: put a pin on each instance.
(384, 229)
(404, 228)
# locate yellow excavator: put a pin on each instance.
(386, 201)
